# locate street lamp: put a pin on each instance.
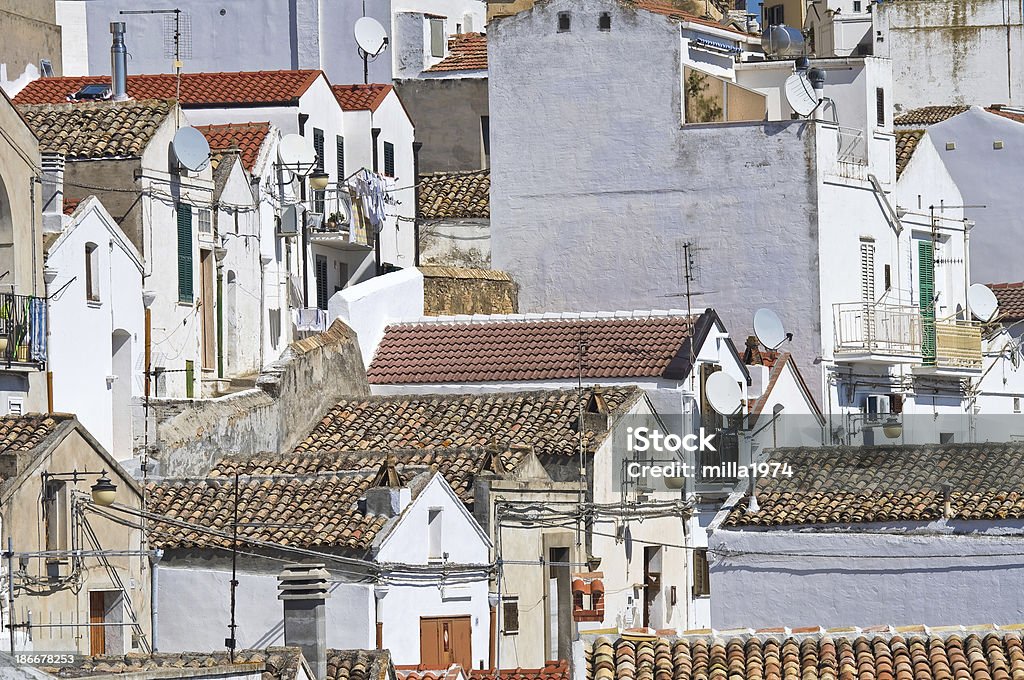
(319, 180)
(104, 491)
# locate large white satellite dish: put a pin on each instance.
(768, 328)
(723, 393)
(191, 149)
(982, 302)
(800, 94)
(370, 36)
(296, 154)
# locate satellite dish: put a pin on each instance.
(296, 154)
(800, 94)
(370, 36)
(191, 149)
(982, 302)
(723, 393)
(768, 328)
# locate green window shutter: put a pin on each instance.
(340, 146)
(389, 159)
(926, 294)
(184, 252)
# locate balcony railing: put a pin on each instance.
(877, 328)
(957, 345)
(22, 329)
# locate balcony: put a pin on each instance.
(335, 233)
(22, 331)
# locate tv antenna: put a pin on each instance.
(371, 39)
(177, 33)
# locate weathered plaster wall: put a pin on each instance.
(453, 290)
(447, 113)
(456, 243)
(31, 34)
(186, 436)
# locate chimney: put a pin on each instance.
(303, 588)
(118, 63)
(53, 192)
(387, 501)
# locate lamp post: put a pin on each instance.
(103, 491)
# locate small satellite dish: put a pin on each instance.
(191, 149)
(800, 94)
(291, 221)
(370, 36)
(296, 153)
(982, 302)
(723, 393)
(768, 328)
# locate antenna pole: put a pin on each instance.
(232, 643)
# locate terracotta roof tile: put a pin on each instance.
(818, 656)
(361, 97)
(1011, 300)
(455, 195)
(531, 350)
(96, 129)
(552, 670)
(358, 664)
(928, 115)
(466, 52)
(666, 8)
(197, 89)
(246, 137)
(1015, 114)
(906, 145)
(24, 433)
(275, 663)
(843, 485)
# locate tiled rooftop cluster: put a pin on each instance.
(841, 485)
(1011, 300)
(928, 115)
(544, 349)
(96, 130)
(455, 195)
(361, 97)
(246, 137)
(913, 656)
(24, 433)
(466, 52)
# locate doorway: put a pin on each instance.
(559, 643)
(106, 614)
(206, 309)
(652, 586)
(446, 640)
(121, 394)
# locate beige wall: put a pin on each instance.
(30, 33)
(23, 518)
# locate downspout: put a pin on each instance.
(220, 318)
(416, 146)
(375, 132)
(154, 563)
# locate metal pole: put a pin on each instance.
(234, 574)
(10, 590)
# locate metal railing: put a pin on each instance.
(877, 328)
(958, 344)
(22, 329)
(853, 147)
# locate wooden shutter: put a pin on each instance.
(701, 573)
(867, 289)
(510, 615)
(184, 252)
(321, 282)
(318, 146)
(926, 294)
(880, 106)
(97, 633)
(389, 159)
(340, 151)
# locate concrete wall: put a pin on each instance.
(447, 113)
(456, 243)
(952, 51)
(31, 34)
(920, 575)
(186, 436)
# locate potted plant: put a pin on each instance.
(334, 220)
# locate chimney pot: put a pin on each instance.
(118, 63)
(304, 590)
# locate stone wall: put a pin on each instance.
(450, 290)
(291, 395)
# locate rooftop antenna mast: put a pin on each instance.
(177, 40)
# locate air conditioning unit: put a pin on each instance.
(876, 407)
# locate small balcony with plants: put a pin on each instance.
(22, 332)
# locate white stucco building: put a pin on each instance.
(95, 302)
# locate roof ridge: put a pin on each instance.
(547, 316)
(885, 631)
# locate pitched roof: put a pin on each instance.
(546, 421)
(466, 52)
(276, 663)
(197, 89)
(1013, 114)
(359, 664)
(552, 670)
(666, 8)
(928, 115)
(96, 129)
(361, 97)
(455, 195)
(1010, 297)
(844, 485)
(906, 145)
(247, 137)
(913, 655)
(533, 349)
(26, 432)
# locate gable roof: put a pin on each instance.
(928, 115)
(78, 212)
(1014, 114)
(915, 654)
(466, 52)
(433, 477)
(455, 195)
(906, 145)
(97, 129)
(502, 349)
(778, 363)
(246, 137)
(546, 421)
(361, 97)
(24, 433)
(248, 88)
(1010, 297)
(850, 485)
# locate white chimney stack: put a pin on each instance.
(53, 192)
(303, 588)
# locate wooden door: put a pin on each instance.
(446, 640)
(98, 633)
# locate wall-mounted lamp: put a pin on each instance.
(103, 491)
(319, 180)
(892, 427)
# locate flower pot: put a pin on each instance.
(22, 354)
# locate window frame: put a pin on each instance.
(389, 159)
(92, 272)
(701, 573)
(509, 603)
(436, 37)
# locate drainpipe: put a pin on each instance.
(416, 146)
(220, 319)
(154, 563)
(375, 132)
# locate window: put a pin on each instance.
(564, 22)
(880, 106)
(604, 22)
(867, 272)
(458, 29)
(321, 281)
(437, 37)
(774, 16)
(184, 252)
(339, 146)
(888, 277)
(15, 406)
(55, 515)
(510, 614)
(701, 573)
(318, 146)
(1016, 404)
(389, 159)
(485, 139)
(204, 221)
(92, 272)
(856, 5)
(434, 534)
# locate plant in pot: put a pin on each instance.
(334, 221)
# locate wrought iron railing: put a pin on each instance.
(22, 329)
(877, 328)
